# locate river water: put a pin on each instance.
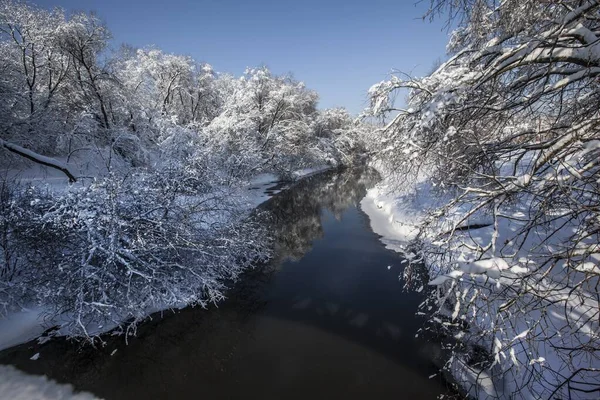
(327, 318)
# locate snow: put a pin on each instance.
(438, 280)
(265, 178)
(17, 385)
(588, 267)
(86, 165)
(517, 269)
(491, 267)
(27, 324)
(22, 326)
(306, 172)
(396, 215)
(521, 335)
(539, 360)
(479, 384)
(257, 192)
(264, 186)
(48, 161)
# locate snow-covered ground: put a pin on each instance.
(264, 186)
(306, 172)
(17, 385)
(395, 215)
(22, 326)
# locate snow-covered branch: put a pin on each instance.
(38, 158)
(507, 131)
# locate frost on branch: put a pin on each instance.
(121, 248)
(507, 131)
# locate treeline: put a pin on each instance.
(165, 145)
(65, 92)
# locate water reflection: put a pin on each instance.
(296, 214)
(327, 318)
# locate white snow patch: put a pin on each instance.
(20, 327)
(443, 278)
(492, 267)
(303, 173)
(393, 217)
(17, 385)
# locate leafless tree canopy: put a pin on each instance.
(508, 130)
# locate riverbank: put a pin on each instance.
(35, 321)
(16, 385)
(492, 355)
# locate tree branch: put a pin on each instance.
(38, 158)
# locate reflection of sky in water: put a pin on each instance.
(326, 319)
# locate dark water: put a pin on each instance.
(326, 319)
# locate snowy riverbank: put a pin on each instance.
(396, 215)
(516, 346)
(32, 321)
(17, 385)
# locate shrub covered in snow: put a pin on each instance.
(125, 246)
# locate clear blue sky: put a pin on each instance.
(339, 48)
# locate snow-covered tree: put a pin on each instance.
(339, 136)
(168, 85)
(33, 75)
(507, 129)
(271, 114)
(33, 70)
(162, 144)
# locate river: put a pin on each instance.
(327, 318)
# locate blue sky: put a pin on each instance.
(339, 48)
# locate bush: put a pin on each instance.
(124, 247)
